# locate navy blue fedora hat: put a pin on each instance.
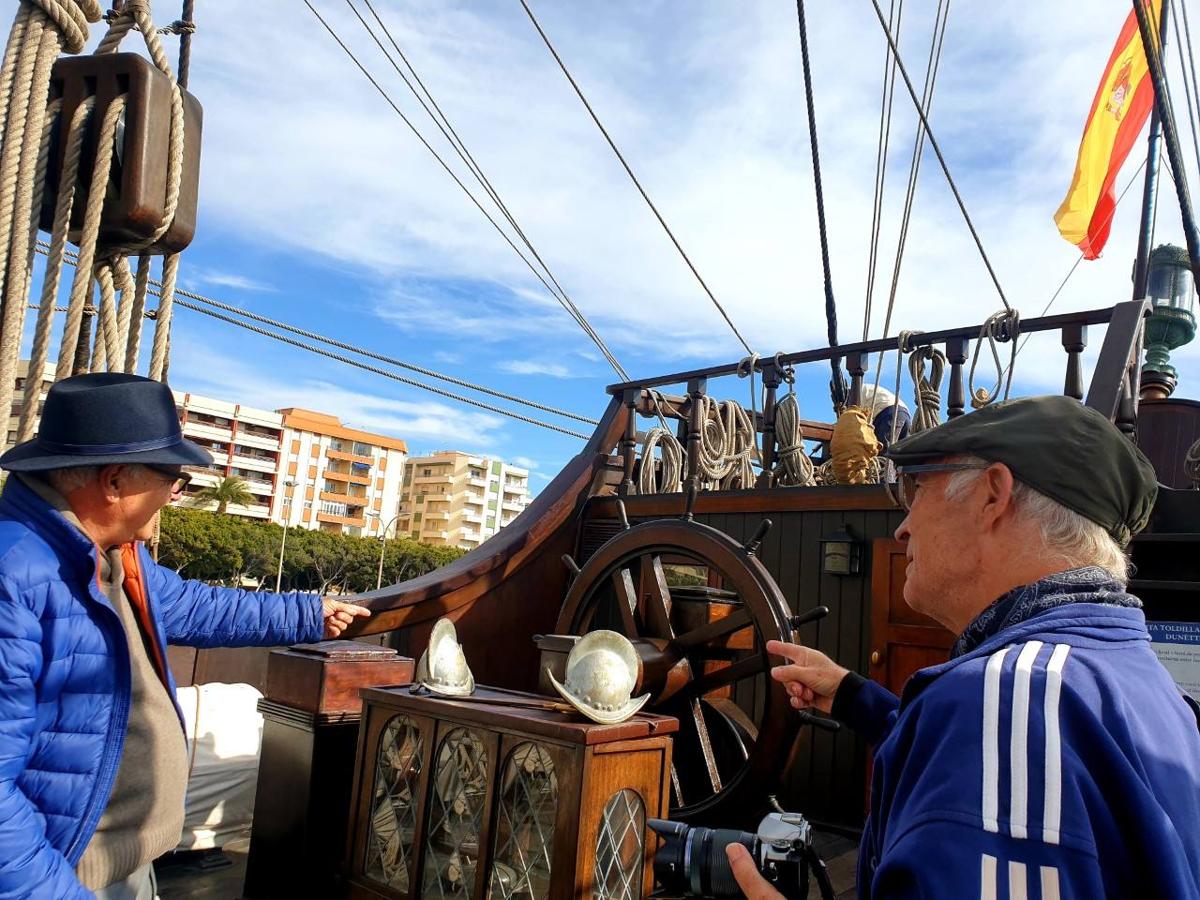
(106, 418)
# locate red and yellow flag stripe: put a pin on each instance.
(1119, 110)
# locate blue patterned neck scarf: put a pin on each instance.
(1090, 584)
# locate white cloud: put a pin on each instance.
(538, 367)
(201, 370)
(231, 280)
(525, 462)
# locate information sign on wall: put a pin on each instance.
(1177, 645)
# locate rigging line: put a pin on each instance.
(569, 307)
(634, 178)
(377, 371)
(837, 385)
(932, 64)
(442, 123)
(43, 248)
(1190, 88)
(888, 94)
(1080, 258)
(1187, 31)
(941, 159)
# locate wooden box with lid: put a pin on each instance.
(311, 715)
(483, 797)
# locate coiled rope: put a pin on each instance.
(1001, 326)
(1191, 465)
(670, 470)
(793, 467)
(927, 395)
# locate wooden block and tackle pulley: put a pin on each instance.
(137, 188)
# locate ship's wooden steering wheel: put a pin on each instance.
(702, 657)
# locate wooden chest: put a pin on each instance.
(471, 799)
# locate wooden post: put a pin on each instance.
(956, 394)
(856, 365)
(696, 391)
(1074, 340)
(629, 442)
(771, 377)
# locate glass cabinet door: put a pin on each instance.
(394, 805)
(524, 839)
(619, 848)
(458, 796)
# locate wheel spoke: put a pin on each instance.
(675, 788)
(626, 600)
(706, 748)
(713, 631)
(710, 681)
(658, 601)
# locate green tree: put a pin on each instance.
(224, 492)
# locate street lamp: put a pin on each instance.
(287, 520)
(382, 545)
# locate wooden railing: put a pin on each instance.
(1113, 390)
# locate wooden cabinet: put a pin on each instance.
(902, 641)
(471, 799)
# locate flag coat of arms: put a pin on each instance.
(1119, 110)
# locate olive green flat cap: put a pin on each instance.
(1057, 446)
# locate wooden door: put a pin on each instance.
(902, 641)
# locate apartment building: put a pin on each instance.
(335, 478)
(454, 499)
(14, 414)
(245, 442)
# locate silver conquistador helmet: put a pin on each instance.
(443, 668)
(602, 670)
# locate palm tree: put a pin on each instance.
(227, 490)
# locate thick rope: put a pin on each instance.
(65, 202)
(82, 284)
(793, 468)
(162, 321)
(137, 312)
(670, 472)
(926, 391)
(1001, 326)
(1191, 465)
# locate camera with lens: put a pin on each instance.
(692, 861)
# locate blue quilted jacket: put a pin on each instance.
(65, 680)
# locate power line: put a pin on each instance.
(570, 307)
(71, 258)
(442, 122)
(938, 151)
(634, 178)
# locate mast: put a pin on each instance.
(1150, 187)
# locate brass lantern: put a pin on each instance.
(1172, 321)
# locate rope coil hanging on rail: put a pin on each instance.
(999, 327)
(927, 394)
(1191, 465)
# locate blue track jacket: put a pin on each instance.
(1056, 759)
(65, 681)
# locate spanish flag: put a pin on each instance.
(1119, 110)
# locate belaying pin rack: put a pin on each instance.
(137, 188)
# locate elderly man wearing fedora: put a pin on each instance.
(93, 764)
(1052, 755)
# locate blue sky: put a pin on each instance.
(320, 208)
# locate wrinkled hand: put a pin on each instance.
(753, 885)
(339, 615)
(811, 679)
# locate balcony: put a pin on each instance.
(473, 499)
(348, 499)
(472, 517)
(202, 430)
(261, 441)
(477, 482)
(346, 476)
(442, 516)
(349, 457)
(255, 463)
(259, 487)
(433, 479)
(512, 506)
(341, 520)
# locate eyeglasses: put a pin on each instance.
(179, 479)
(904, 489)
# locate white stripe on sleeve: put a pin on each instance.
(1017, 889)
(987, 878)
(1052, 808)
(1018, 756)
(1050, 873)
(991, 740)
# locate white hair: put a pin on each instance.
(67, 481)
(1063, 531)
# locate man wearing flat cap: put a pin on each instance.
(93, 762)
(1052, 755)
